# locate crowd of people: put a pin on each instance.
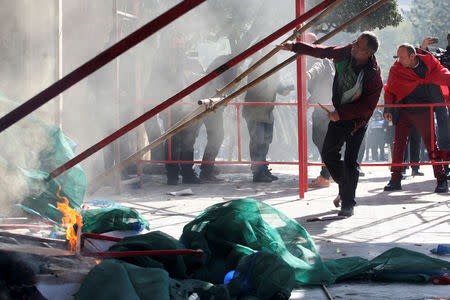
(346, 78)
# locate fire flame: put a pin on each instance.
(71, 217)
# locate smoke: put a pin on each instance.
(140, 78)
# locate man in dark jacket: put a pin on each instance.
(260, 118)
(414, 79)
(356, 89)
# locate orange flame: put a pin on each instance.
(71, 217)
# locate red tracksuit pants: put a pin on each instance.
(406, 120)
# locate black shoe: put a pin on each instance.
(441, 187)
(270, 175)
(361, 173)
(337, 201)
(172, 181)
(393, 185)
(346, 212)
(192, 180)
(416, 173)
(215, 170)
(209, 177)
(261, 177)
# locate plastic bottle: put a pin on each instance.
(441, 249)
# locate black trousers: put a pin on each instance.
(215, 135)
(344, 172)
(261, 136)
(319, 130)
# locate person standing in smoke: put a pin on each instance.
(260, 118)
(172, 76)
(214, 121)
(103, 84)
(320, 79)
(356, 89)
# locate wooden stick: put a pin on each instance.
(136, 156)
(324, 108)
(266, 57)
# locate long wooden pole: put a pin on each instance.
(199, 83)
(178, 127)
(97, 62)
(172, 131)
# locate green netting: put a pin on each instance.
(108, 219)
(31, 149)
(266, 249)
(230, 230)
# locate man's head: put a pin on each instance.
(406, 55)
(448, 39)
(310, 37)
(365, 46)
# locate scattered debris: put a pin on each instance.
(184, 192)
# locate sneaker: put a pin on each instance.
(441, 187)
(346, 212)
(393, 185)
(319, 182)
(261, 177)
(270, 175)
(416, 173)
(337, 201)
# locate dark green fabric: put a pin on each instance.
(156, 240)
(263, 275)
(396, 264)
(113, 279)
(108, 219)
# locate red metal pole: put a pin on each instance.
(238, 111)
(301, 113)
(100, 237)
(97, 62)
(198, 253)
(232, 62)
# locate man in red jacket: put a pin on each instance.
(356, 89)
(412, 80)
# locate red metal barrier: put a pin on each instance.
(237, 59)
(97, 62)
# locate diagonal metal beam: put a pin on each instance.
(97, 62)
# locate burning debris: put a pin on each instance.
(71, 218)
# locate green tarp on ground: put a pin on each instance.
(262, 244)
(31, 148)
(102, 220)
